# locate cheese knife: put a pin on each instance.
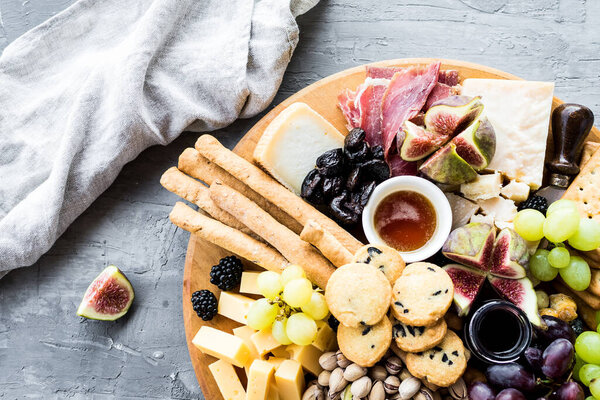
(571, 124)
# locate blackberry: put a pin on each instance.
(333, 323)
(227, 274)
(205, 304)
(578, 326)
(536, 202)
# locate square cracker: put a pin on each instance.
(589, 148)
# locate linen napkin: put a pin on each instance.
(85, 92)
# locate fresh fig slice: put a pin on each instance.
(418, 142)
(510, 255)
(108, 297)
(467, 283)
(477, 144)
(446, 166)
(471, 245)
(520, 292)
(451, 115)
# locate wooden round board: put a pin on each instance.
(322, 97)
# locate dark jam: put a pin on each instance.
(499, 331)
(405, 220)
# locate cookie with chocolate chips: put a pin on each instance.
(441, 365)
(422, 294)
(418, 338)
(365, 345)
(382, 257)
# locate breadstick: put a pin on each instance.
(331, 248)
(297, 251)
(587, 313)
(197, 166)
(266, 186)
(195, 192)
(226, 237)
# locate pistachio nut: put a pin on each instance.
(354, 372)
(323, 378)
(458, 390)
(377, 391)
(409, 387)
(393, 365)
(424, 394)
(337, 383)
(378, 373)
(328, 361)
(313, 393)
(361, 387)
(342, 361)
(405, 374)
(391, 384)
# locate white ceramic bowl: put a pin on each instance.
(427, 189)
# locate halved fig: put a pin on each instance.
(510, 255)
(108, 297)
(477, 144)
(451, 115)
(471, 245)
(418, 142)
(446, 166)
(467, 283)
(520, 292)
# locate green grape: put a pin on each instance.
(292, 272)
(301, 329)
(297, 292)
(529, 224)
(278, 330)
(590, 398)
(540, 267)
(269, 284)
(262, 314)
(587, 236)
(577, 367)
(561, 204)
(577, 275)
(595, 388)
(316, 308)
(559, 257)
(561, 224)
(587, 345)
(589, 372)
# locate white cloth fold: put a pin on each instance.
(85, 92)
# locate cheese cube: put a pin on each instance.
(264, 341)
(235, 306)
(516, 191)
(222, 345)
(273, 393)
(227, 380)
(245, 332)
(483, 187)
(519, 111)
(275, 361)
(307, 356)
(281, 352)
(248, 284)
(462, 209)
(291, 144)
(290, 380)
(325, 340)
(260, 379)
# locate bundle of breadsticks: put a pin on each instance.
(245, 211)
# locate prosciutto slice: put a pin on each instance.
(368, 103)
(346, 101)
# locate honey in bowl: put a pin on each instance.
(405, 220)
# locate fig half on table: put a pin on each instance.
(108, 297)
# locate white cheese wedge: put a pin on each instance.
(291, 144)
(519, 111)
(462, 209)
(502, 210)
(516, 191)
(483, 187)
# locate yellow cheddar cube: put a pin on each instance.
(326, 337)
(245, 332)
(280, 352)
(227, 380)
(248, 284)
(235, 306)
(264, 341)
(222, 345)
(307, 356)
(275, 361)
(260, 379)
(289, 379)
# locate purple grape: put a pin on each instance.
(568, 391)
(510, 394)
(555, 329)
(481, 391)
(557, 358)
(533, 356)
(510, 376)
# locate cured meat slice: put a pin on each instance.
(440, 91)
(382, 72)
(448, 77)
(368, 103)
(399, 167)
(347, 105)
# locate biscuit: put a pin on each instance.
(365, 345)
(358, 294)
(418, 338)
(422, 294)
(441, 365)
(387, 259)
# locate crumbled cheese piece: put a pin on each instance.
(462, 209)
(502, 210)
(484, 219)
(516, 191)
(483, 187)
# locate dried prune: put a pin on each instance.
(377, 152)
(353, 204)
(340, 212)
(332, 186)
(376, 169)
(365, 192)
(354, 139)
(312, 187)
(359, 155)
(353, 179)
(331, 163)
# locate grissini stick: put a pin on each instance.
(329, 246)
(297, 251)
(228, 238)
(197, 166)
(270, 189)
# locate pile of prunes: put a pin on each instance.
(344, 179)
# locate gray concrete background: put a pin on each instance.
(47, 352)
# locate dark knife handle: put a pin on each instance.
(571, 124)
